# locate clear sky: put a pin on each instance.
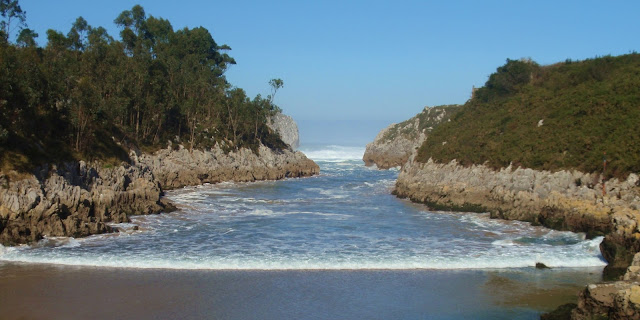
(351, 68)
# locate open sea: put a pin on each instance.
(324, 239)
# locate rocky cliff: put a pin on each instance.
(178, 168)
(75, 199)
(394, 144)
(79, 199)
(560, 200)
(287, 128)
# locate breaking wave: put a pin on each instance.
(333, 153)
(345, 218)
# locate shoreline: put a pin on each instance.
(212, 269)
(63, 292)
(562, 200)
(78, 199)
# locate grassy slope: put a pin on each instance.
(588, 108)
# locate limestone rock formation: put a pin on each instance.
(178, 168)
(394, 144)
(79, 199)
(560, 200)
(75, 199)
(287, 128)
(612, 300)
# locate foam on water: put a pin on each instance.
(342, 219)
(333, 153)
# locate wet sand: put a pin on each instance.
(65, 292)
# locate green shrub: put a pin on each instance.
(587, 108)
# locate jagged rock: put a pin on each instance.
(617, 300)
(394, 144)
(613, 300)
(76, 199)
(561, 200)
(552, 199)
(287, 128)
(175, 169)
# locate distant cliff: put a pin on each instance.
(394, 144)
(287, 128)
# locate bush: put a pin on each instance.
(588, 108)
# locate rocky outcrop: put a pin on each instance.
(75, 199)
(612, 300)
(394, 144)
(79, 199)
(287, 128)
(178, 168)
(561, 200)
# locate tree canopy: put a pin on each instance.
(88, 95)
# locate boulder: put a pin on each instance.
(612, 300)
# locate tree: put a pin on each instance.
(78, 34)
(10, 11)
(275, 85)
(27, 38)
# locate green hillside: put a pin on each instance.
(561, 116)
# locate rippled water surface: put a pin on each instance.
(345, 218)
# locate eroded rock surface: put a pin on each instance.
(612, 300)
(75, 199)
(560, 200)
(287, 128)
(79, 199)
(394, 144)
(178, 168)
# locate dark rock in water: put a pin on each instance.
(540, 265)
(563, 312)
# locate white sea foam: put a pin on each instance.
(334, 153)
(338, 220)
(313, 262)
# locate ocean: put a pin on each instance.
(328, 237)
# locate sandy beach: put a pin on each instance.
(65, 292)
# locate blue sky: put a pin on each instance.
(351, 68)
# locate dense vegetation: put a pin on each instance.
(89, 96)
(561, 116)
